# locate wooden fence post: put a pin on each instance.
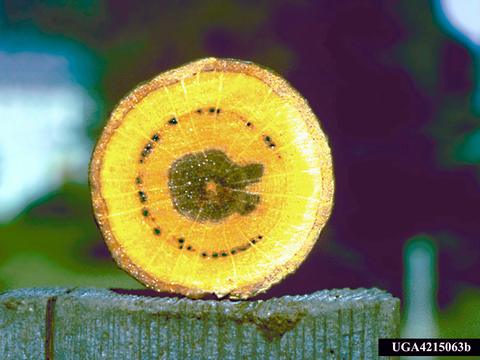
(90, 323)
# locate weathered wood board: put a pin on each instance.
(90, 323)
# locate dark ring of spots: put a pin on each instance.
(269, 141)
(181, 243)
(173, 121)
(208, 186)
(233, 251)
(143, 196)
(147, 149)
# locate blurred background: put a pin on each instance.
(394, 84)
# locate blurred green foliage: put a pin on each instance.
(55, 242)
(455, 119)
(461, 318)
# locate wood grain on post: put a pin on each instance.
(90, 323)
(26, 322)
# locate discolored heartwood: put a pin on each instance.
(213, 178)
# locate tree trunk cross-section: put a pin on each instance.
(90, 323)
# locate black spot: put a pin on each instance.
(173, 121)
(141, 161)
(331, 351)
(204, 255)
(260, 237)
(254, 241)
(249, 124)
(215, 255)
(233, 251)
(212, 110)
(143, 196)
(242, 249)
(268, 139)
(272, 145)
(199, 111)
(224, 254)
(147, 149)
(189, 248)
(218, 111)
(157, 231)
(181, 240)
(145, 212)
(155, 137)
(180, 247)
(138, 180)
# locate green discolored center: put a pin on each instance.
(208, 186)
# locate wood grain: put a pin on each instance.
(90, 323)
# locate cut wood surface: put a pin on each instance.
(91, 323)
